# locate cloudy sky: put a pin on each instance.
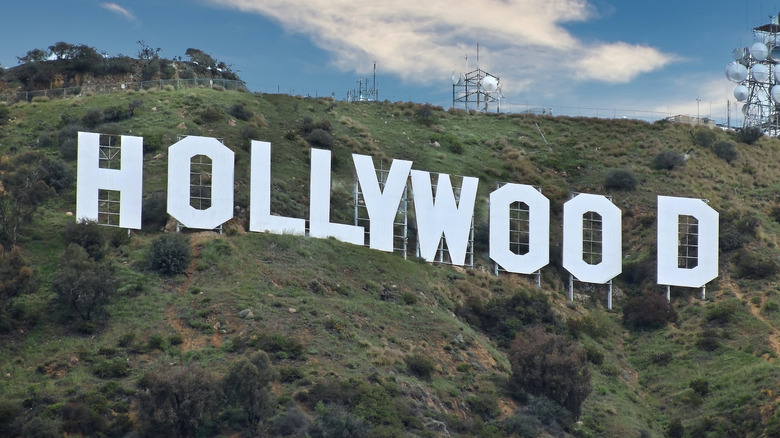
(605, 57)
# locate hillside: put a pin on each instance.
(366, 343)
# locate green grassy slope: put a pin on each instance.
(330, 312)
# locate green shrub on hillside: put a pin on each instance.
(647, 311)
(241, 112)
(320, 138)
(170, 254)
(420, 365)
(704, 137)
(668, 160)
(5, 113)
(88, 234)
(550, 365)
(620, 179)
(749, 134)
(81, 285)
(726, 150)
(754, 265)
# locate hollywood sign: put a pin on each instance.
(437, 216)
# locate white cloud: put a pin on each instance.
(525, 40)
(115, 8)
(620, 62)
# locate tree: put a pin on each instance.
(26, 181)
(82, 285)
(550, 365)
(62, 50)
(201, 58)
(247, 385)
(176, 402)
(34, 55)
(146, 52)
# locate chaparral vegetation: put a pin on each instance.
(177, 332)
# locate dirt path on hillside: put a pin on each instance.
(755, 310)
(191, 338)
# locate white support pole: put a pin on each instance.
(571, 287)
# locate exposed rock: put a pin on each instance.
(244, 313)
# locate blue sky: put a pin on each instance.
(656, 57)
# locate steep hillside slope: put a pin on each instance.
(368, 343)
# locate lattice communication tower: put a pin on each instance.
(756, 70)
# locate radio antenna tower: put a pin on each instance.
(364, 94)
(756, 70)
(476, 89)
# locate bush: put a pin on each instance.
(320, 138)
(154, 213)
(503, 317)
(704, 137)
(424, 115)
(87, 234)
(92, 118)
(16, 275)
(756, 266)
(675, 429)
(82, 285)
(620, 179)
(241, 112)
(420, 365)
(176, 402)
(700, 386)
(5, 113)
(647, 311)
(668, 160)
(212, 114)
(726, 150)
(550, 365)
(247, 385)
(170, 254)
(749, 134)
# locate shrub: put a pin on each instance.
(170, 254)
(92, 118)
(83, 286)
(704, 137)
(212, 114)
(16, 275)
(247, 385)
(550, 365)
(647, 311)
(154, 213)
(668, 160)
(424, 115)
(675, 429)
(420, 365)
(620, 179)
(241, 112)
(87, 234)
(320, 138)
(726, 150)
(749, 134)
(700, 386)
(756, 266)
(503, 317)
(176, 402)
(5, 113)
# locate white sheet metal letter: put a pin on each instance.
(128, 180)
